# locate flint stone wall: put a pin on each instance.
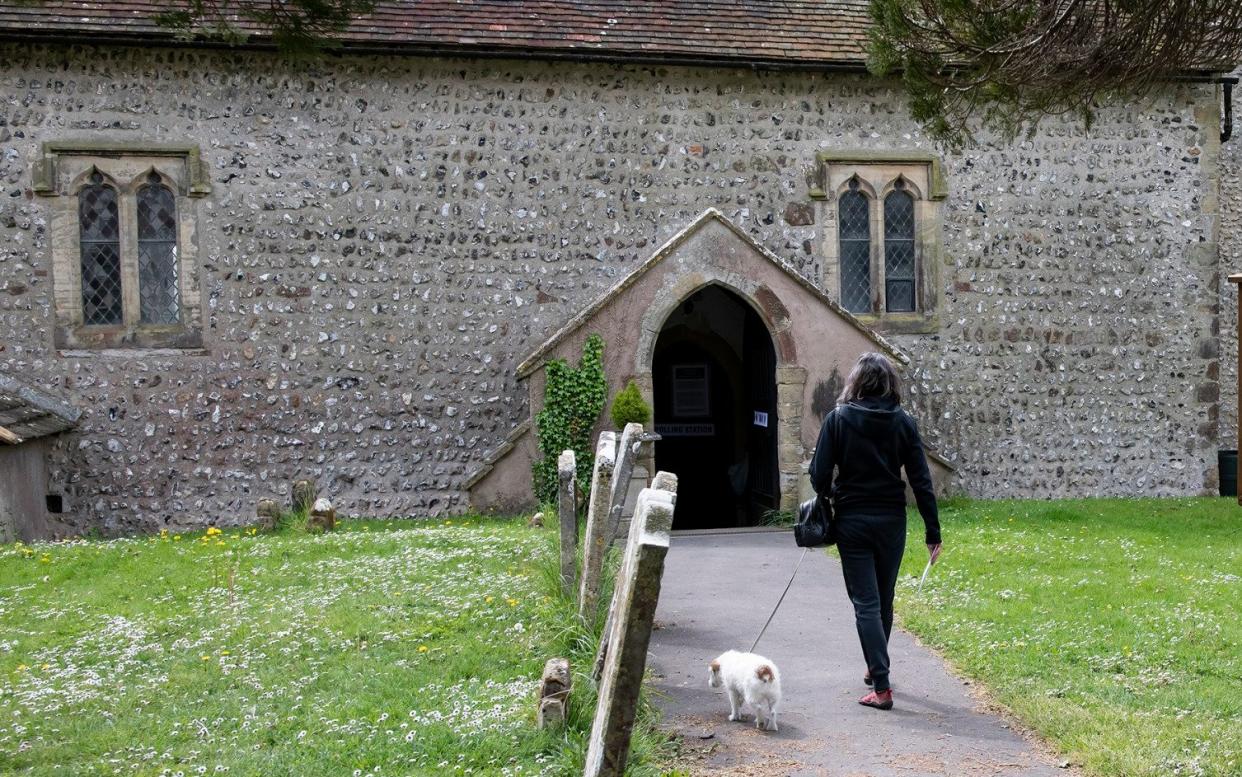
(1230, 243)
(387, 238)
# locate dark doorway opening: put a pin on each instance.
(714, 375)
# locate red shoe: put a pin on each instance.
(881, 700)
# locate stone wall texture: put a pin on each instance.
(1230, 241)
(387, 238)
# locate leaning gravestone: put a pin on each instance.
(637, 592)
(658, 508)
(619, 489)
(566, 508)
(595, 544)
(640, 478)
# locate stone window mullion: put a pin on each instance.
(129, 258)
(877, 256)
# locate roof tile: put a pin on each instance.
(819, 33)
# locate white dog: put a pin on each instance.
(750, 679)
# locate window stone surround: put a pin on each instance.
(61, 171)
(877, 171)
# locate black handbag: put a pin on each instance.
(814, 527)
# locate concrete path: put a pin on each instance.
(718, 590)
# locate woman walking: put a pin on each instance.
(867, 440)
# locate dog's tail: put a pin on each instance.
(765, 673)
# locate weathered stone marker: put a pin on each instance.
(595, 543)
(268, 513)
(566, 508)
(322, 516)
(303, 495)
(656, 510)
(554, 692)
(620, 486)
(665, 481)
(638, 591)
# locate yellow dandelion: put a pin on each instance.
(46, 667)
(22, 667)
(176, 537)
(46, 559)
(422, 648)
(512, 602)
(224, 652)
(489, 599)
(206, 658)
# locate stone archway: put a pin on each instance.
(771, 324)
(713, 371)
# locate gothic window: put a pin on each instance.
(99, 226)
(883, 245)
(899, 250)
(854, 233)
(123, 255)
(158, 293)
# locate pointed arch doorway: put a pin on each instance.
(715, 405)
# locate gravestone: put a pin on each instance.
(554, 688)
(595, 543)
(656, 508)
(619, 489)
(640, 478)
(268, 514)
(637, 592)
(303, 495)
(665, 481)
(566, 507)
(322, 516)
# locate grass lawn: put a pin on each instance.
(1110, 626)
(395, 648)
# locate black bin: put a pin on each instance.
(1228, 463)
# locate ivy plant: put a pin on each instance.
(573, 399)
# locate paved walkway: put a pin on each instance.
(719, 588)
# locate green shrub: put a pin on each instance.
(573, 398)
(628, 407)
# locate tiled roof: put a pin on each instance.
(796, 33)
(27, 412)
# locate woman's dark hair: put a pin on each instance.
(873, 376)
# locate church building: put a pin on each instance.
(234, 269)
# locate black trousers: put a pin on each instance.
(871, 547)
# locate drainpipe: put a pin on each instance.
(1226, 130)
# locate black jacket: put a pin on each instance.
(868, 441)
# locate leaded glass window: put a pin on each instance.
(99, 236)
(899, 250)
(854, 234)
(158, 292)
